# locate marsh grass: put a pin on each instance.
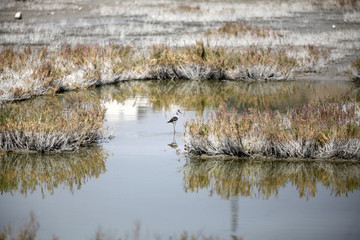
(320, 130)
(28, 72)
(239, 29)
(314, 54)
(53, 124)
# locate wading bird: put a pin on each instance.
(174, 119)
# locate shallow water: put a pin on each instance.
(141, 183)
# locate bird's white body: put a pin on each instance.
(174, 119)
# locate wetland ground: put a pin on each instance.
(139, 182)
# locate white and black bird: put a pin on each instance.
(174, 119)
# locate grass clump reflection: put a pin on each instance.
(24, 173)
(320, 130)
(263, 179)
(50, 124)
(203, 96)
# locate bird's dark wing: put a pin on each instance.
(173, 119)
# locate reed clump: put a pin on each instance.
(320, 130)
(50, 125)
(315, 53)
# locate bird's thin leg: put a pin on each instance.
(174, 126)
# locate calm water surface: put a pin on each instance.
(142, 180)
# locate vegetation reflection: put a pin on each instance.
(263, 179)
(25, 173)
(205, 95)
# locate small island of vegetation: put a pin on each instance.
(324, 129)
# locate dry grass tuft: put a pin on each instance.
(219, 57)
(187, 8)
(50, 125)
(27, 232)
(264, 179)
(26, 173)
(238, 29)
